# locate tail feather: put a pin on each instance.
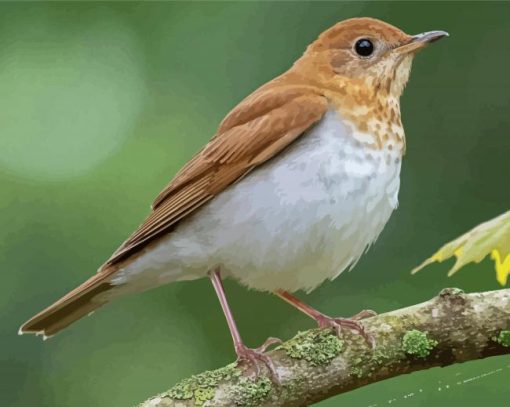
(73, 306)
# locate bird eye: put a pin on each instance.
(364, 47)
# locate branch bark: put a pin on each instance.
(453, 327)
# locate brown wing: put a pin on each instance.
(263, 124)
(258, 128)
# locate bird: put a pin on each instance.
(296, 184)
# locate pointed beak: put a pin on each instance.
(420, 41)
(429, 36)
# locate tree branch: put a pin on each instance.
(451, 328)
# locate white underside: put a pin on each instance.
(300, 219)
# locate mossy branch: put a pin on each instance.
(451, 328)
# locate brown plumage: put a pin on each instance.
(252, 133)
(256, 130)
(261, 126)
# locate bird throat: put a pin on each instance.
(374, 116)
(369, 103)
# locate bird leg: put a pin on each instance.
(325, 321)
(251, 357)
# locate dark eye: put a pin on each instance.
(364, 47)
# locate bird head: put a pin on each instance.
(368, 52)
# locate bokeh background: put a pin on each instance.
(100, 105)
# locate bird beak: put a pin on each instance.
(420, 41)
(429, 36)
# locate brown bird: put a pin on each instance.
(298, 181)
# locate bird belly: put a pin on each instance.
(301, 218)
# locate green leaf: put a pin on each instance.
(491, 237)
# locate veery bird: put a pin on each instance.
(298, 181)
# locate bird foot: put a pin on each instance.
(351, 323)
(255, 358)
(366, 313)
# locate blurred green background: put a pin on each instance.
(101, 103)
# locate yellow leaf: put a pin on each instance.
(491, 237)
(502, 267)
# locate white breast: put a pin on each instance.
(301, 218)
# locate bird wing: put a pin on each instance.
(255, 131)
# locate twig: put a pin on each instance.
(451, 328)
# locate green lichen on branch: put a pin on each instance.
(357, 368)
(248, 392)
(317, 346)
(503, 338)
(416, 343)
(315, 364)
(202, 387)
(366, 363)
(203, 395)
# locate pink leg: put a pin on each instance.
(252, 357)
(325, 321)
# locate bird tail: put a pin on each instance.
(76, 304)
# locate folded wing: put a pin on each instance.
(257, 129)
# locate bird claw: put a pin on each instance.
(254, 358)
(269, 342)
(366, 313)
(352, 323)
